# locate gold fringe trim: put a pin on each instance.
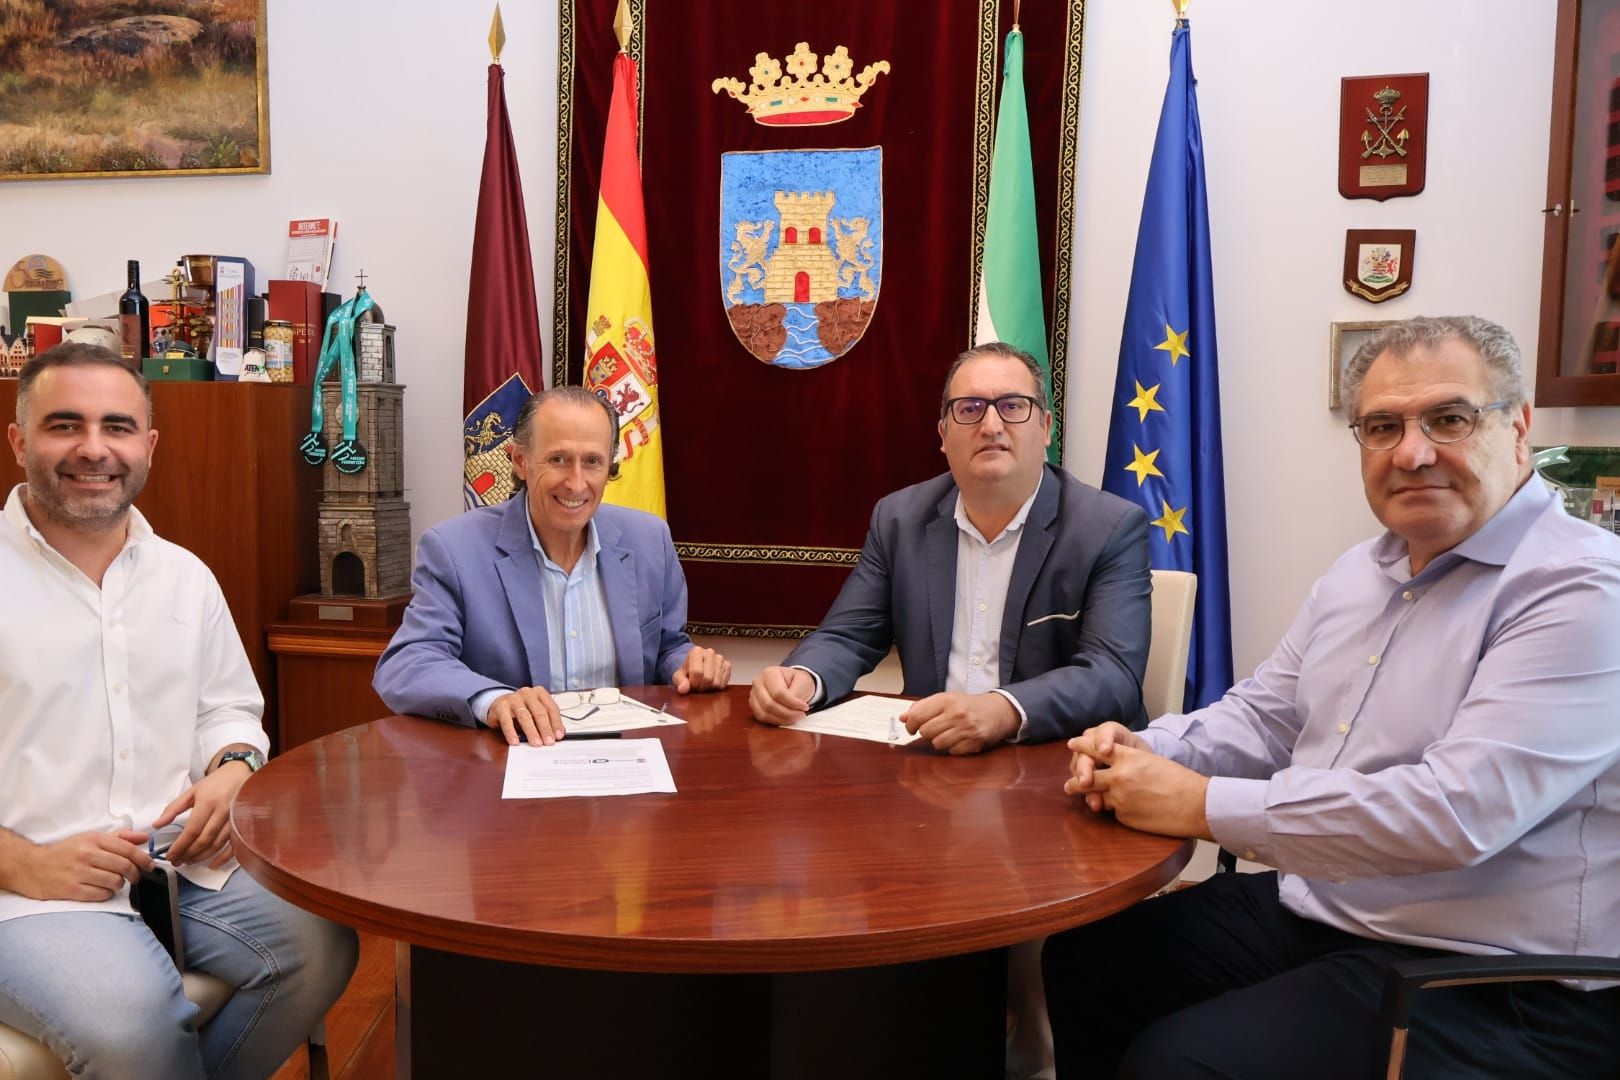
(1063, 250)
(767, 554)
(749, 630)
(565, 157)
(984, 151)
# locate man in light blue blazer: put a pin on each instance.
(1019, 598)
(547, 592)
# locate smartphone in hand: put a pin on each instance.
(156, 896)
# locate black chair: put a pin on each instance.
(1408, 977)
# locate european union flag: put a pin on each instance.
(1164, 444)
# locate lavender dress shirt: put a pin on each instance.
(1435, 759)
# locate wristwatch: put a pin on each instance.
(254, 759)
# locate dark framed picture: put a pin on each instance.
(110, 88)
(1343, 340)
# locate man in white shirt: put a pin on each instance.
(129, 715)
(1018, 597)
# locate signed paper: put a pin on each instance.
(626, 714)
(609, 767)
(870, 717)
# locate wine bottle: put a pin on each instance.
(135, 320)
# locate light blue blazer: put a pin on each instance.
(477, 620)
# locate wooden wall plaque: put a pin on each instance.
(1383, 135)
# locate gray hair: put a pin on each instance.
(1496, 347)
(74, 354)
(998, 348)
(523, 426)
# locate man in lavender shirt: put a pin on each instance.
(1430, 759)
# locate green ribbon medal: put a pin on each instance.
(337, 347)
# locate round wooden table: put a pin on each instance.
(782, 851)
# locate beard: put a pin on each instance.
(84, 511)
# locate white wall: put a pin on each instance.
(377, 119)
(1268, 92)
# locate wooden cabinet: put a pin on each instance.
(227, 483)
(324, 679)
(1578, 360)
(325, 653)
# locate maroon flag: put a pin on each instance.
(503, 362)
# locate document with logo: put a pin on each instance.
(869, 717)
(619, 767)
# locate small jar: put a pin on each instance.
(278, 350)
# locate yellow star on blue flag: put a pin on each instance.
(1170, 521)
(1145, 401)
(1175, 344)
(1143, 466)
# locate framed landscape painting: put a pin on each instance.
(108, 88)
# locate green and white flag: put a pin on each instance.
(1010, 280)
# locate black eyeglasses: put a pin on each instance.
(1012, 408)
(1449, 423)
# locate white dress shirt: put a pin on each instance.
(113, 700)
(983, 573)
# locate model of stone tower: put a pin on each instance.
(365, 522)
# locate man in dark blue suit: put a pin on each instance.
(1019, 597)
(550, 591)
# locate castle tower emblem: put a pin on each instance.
(801, 250)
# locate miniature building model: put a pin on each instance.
(802, 268)
(364, 527)
(374, 352)
(13, 358)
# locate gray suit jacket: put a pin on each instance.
(477, 620)
(1083, 558)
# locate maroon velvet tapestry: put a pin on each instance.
(815, 218)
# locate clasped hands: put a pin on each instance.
(92, 866)
(954, 722)
(531, 714)
(1114, 769)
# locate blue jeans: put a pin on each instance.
(101, 993)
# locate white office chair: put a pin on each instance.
(1163, 688)
(22, 1058)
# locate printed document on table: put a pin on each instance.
(626, 714)
(627, 767)
(870, 717)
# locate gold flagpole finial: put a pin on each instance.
(1016, 5)
(623, 25)
(497, 36)
(1181, 8)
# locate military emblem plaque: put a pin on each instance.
(1383, 135)
(1378, 262)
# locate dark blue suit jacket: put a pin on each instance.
(1074, 635)
(477, 620)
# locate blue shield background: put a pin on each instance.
(749, 182)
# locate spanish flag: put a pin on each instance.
(620, 363)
